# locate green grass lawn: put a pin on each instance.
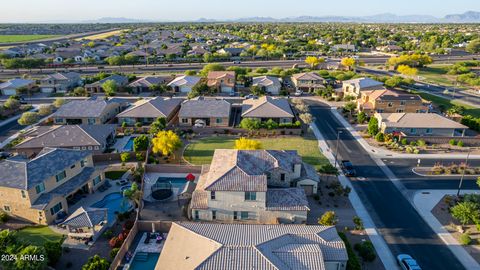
(201, 151)
(114, 175)
(437, 74)
(469, 110)
(22, 38)
(38, 235)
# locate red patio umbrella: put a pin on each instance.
(190, 177)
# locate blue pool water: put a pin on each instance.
(115, 203)
(129, 145)
(177, 182)
(141, 262)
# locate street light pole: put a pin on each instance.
(463, 174)
(336, 147)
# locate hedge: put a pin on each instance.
(352, 263)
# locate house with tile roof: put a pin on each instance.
(248, 246)
(60, 82)
(212, 112)
(97, 87)
(39, 189)
(89, 112)
(269, 84)
(146, 111)
(95, 138)
(184, 83)
(390, 101)
(266, 108)
(308, 81)
(222, 81)
(354, 87)
(144, 84)
(11, 87)
(254, 186)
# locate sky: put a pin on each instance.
(14, 11)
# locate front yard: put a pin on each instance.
(200, 152)
(38, 235)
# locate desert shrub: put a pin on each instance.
(465, 239)
(366, 251)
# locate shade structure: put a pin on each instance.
(190, 177)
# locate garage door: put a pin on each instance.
(9, 92)
(47, 90)
(185, 89)
(227, 89)
(308, 189)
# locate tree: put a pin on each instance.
(45, 110)
(473, 46)
(407, 71)
(28, 118)
(36, 252)
(158, 125)
(54, 252)
(466, 212)
(250, 124)
(246, 144)
(110, 87)
(59, 102)
(124, 157)
(211, 67)
(362, 117)
(328, 219)
(96, 263)
(160, 88)
(12, 104)
(140, 143)
(133, 193)
(478, 181)
(190, 73)
(373, 126)
(79, 92)
(350, 107)
(307, 118)
(257, 90)
(166, 142)
(348, 62)
(380, 137)
(314, 61)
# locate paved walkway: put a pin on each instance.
(381, 246)
(424, 203)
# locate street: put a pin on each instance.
(403, 229)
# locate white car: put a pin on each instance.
(406, 262)
(199, 123)
(298, 93)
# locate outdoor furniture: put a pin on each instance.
(147, 239)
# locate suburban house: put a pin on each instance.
(96, 138)
(192, 245)
(265, 108)
(355, 87)
(38, 189)
(146, 111)
(223, 81)
(90, 111)
(390, 101)
(96, 87)
(144, 84)
(210, 112)
(344, 48)
(308, 81)
(269, 84)
(419, 124)
(254, 186)
(60, 82)
(234, 52)
(11, 87)
(184, 83)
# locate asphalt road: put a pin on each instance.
(397, 221)
(9, 129)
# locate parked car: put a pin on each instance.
(199, 123)
(251, 96)
(347, 168)
(298, 93)
(236, 62)
(406, 262)
(5, 155)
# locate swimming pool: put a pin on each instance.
(144, 261)
(177, 182)
(115, 203)
(129, 145)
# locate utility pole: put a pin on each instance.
(336, 148)
(463, 173)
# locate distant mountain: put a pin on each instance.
(114, 20)
(469, 16)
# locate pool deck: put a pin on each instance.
(151, 247)
(151, 178)
(120, 143)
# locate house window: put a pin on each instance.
(214, 215)
(413, 131)
(235, 215)
(196, 215)
(91, 121)
(56, 208)
(212, 195)
(184, 120)
(7, 208)
(72, 167)
(40, 188)
(428, 131)
(400, 110)
(97, 180)
(218, 120)
(61, 176)
(250, 196)
(390, 104)
(24, 195)
(282, 177)
(402, 102)
(82, 163)
(58, 120)
(244, 215)
(269, 176)
(380, 110)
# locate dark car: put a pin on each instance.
(347, 168)
(4, 155)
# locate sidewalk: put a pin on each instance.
(381, 246)
(424, 203)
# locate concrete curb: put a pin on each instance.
(381, 246)
(441, 175)
(424, 204)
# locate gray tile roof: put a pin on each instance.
(15, 83)
(152, 108)
(62, 76)
(82, 108)
(266, 107)
(419, 120)
(70, 136)
(86, 217)
(248, 246)
(287, 199)
(29, 173)
(119, 79)
(149, 81)
(364, 82)
(205, 108)
(266, 81)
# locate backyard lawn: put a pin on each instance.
(201, 151)
(447, 104)
(114, 175)
(38, 235)
(22, 38)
